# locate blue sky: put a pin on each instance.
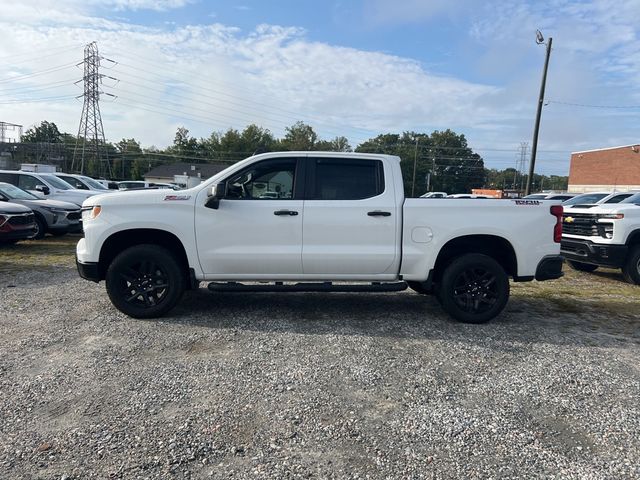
(356, 68)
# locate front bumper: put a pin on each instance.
(22, 234)
(550, 268)
(89, 271)
(586, 251)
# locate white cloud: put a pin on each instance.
(211, 77)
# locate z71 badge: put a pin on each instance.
(177, 197)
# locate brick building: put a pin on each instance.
(605, 169)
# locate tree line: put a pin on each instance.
(439, 161)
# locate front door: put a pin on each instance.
(257, 230)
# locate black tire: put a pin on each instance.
(474, 288)
(419, 287)
(41, 228)
(582, 267)
(631, 268)
(145, 281)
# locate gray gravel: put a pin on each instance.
(309, 386)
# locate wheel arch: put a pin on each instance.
(633, 238)
(120, 241)
(494, 246)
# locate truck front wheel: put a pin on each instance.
(145, 281)
(631, 268)
(474, 288)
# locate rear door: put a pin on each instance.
(351, 222)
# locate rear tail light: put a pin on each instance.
(556, 211)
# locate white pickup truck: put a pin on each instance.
(315, 221)
(605, 235)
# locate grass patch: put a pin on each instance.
(42, 255)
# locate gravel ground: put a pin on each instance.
(314, 385)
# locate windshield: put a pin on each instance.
(585, 199)
(92, 183)
(618, 198)
(14, 193)
(632, 199)
(56, 182)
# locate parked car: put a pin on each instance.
(82, 182)
(604, 235)
(17, 222)
(149, 246)
(434, 195)
(139, 184)
(51, 216)
(467, 195)
(615, 197)
(549, 196)
(585, 199)
(45, 185)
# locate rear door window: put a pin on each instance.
(345, 179)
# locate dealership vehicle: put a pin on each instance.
(17, 222)
(604, 235)
(51, 216)
(550, 196)
(585, 199)
(434, 195)
(82, 182)
(339, 217)
(467, 195)
(45, 185)
(139, 184)
(616, 197)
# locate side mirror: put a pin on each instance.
(43, 189)
(216, 193)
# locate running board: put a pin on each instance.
(307, 287)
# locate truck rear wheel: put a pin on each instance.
(631, 268)
(145, 281)
(474, 288)
(582, 267)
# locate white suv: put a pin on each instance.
(45, 185)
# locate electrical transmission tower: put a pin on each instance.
(90, 144)
(520, 162)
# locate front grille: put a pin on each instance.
(74, 215)
(21, 219)
(582, 224)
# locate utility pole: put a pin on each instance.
(534, 147)
(90, 143)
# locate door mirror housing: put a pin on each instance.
(215, 194)
(43, 189)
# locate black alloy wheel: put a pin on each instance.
(145, 281)
(474, 288)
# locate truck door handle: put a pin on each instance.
(379, 213)
(291, 213)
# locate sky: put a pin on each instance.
(354, 68)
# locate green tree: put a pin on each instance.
(299, 136)
(338, 144)
(443, 160)
(45, 132)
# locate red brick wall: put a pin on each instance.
(616, 166)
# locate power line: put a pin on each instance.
(585, 105)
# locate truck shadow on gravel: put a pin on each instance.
(403, 315)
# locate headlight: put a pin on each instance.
(57, 211)
(89, 213)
